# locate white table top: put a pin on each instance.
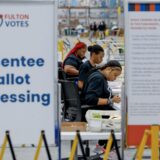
(89, 135)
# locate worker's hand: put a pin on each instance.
(116, 99)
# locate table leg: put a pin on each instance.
(87, 149)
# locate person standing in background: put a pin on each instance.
(104, 29)
(95, 28)
(91, 31)
(100, 30)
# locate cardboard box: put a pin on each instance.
(73, 126)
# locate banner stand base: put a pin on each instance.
(154, 133)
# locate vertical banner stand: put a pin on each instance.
(142, 61)
(42, 138)
(7, 139)
(154, 133)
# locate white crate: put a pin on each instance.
(99, 120)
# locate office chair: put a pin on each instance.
(72, 103)
(61, 73)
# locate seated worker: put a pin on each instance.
(74, 59)
(96, 90)
(96, 57)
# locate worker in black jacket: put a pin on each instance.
(96, 90)
(96, 57)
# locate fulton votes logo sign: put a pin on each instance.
(14, 20)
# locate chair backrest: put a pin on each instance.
(61, 73)
(72, 103)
